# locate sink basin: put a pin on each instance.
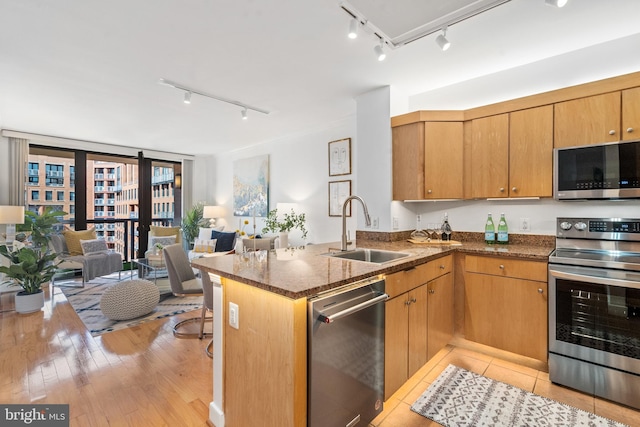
(374, 256)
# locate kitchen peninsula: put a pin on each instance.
(260, 367)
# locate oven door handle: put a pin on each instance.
(593, 279)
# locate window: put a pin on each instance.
(54, 175)
(72, 196)
(48, 195)
(35, 195)
(34, 169)
(60, 196)
(72, 176)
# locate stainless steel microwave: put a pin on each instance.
(601, 171)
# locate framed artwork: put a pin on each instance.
(338, 193)
(251, 186)
(340, 157)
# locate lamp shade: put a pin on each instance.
(11, 214)
(213, 212)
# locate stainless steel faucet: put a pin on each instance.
(367, 219)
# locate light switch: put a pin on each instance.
(234, 315)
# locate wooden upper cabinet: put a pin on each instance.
(531, 152)
(590, 120)
(408, 161)
(443, 160)
(631, 114)
(490, 157)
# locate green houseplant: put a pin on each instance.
(192, 220)
(290, 221)
(32, 266)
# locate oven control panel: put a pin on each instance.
(599, 228)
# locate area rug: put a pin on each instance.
(462, 398)
(86, 302)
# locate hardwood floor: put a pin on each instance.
(139, 376)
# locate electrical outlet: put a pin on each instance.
(234, 315)
(525, 224)
(375, 223)
(395, 223)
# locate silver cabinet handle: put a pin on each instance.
(501, 267)
(629, 130)
(540, 291)
(431, 291)
(413, 300)
(612, 132)
(514, 189)
(428, 191)
(407, 303)
(441, 267)
(502, 189)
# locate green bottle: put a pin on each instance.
(503, 230)
(489, 231)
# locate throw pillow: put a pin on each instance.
(72, 238)
(225, 241)
(205, 233)
(157, 231)
(163, 241)
(94, 245)
(204, 246)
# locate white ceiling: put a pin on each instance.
(89, 70)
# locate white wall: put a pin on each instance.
(4, 171)
(298, 173)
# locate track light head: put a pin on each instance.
(187, 97)
(442, 41)
(244, 114)
(557, 3)
(353, 28)
(379, 51)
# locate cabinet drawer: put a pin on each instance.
(506, 267)
(403, 281)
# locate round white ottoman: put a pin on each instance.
(130, 299)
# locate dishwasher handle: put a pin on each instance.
(347, 311)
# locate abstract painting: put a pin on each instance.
(251, 186)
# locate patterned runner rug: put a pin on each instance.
(86, 302)
(462, 398)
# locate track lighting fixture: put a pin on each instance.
(379, 51)
(188, 92)
(557, 3)
(442, 40)
(353, 28)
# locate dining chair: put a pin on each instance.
(184, 283)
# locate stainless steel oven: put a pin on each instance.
(594, 307)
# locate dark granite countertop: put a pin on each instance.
(303, 272)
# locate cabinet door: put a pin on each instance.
(490, 156)
(408, 161)
(586, 121)
(443, 160)
(531, 152)
(630, 114)
(440, 314)
(506, 313)
(417, 329)
(396, 355)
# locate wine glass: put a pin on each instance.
(429, 231)
(437, 228)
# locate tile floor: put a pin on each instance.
(397, 412)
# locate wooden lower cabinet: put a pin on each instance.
(418, 323)
(507, 313)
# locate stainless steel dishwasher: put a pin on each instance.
(346, 355)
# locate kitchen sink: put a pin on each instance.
(374, 256)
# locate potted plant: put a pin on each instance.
(192, 220)
(32, 266)
(290, 221)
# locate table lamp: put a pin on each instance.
(211, 213)
(10, 216)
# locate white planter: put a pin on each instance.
(29, 303)
(282, 241)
